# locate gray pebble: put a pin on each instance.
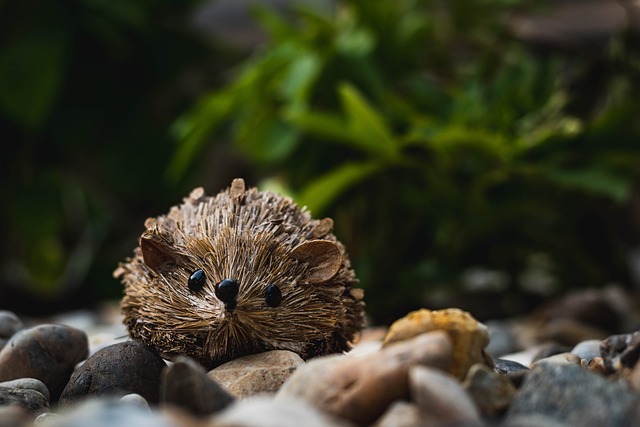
(28, 384)
(501, 338)
(46, 352)
(185, 384)
(135, 399)
(30, 400)
(505, 367)
(587, 349)
(572, 395)
(117, 370)
(109, 412)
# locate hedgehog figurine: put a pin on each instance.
(239, 273)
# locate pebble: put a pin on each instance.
(28, 384)
(587, 349)
(595, 365)
(257, 373)
(468, 336)
(47, 352)
(264, 411)
(441, 399)
(401, 414)
(359, 388)
(620, 351)
(109, 412)
(135, 399)
(491, 392)
(506, 367)
(572, 395)
(117, 370)
(31, 399)
(9, 325)
(558, 359)
(185, 384)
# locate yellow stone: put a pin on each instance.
(468, 336)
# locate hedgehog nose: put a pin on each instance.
(227, 292)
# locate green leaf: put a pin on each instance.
(321, 192)
(368, 130)
(31, 73)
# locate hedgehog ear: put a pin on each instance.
(323, 257)
(156, 252)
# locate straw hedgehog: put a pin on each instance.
(239, 273)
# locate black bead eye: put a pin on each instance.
(227, 292)
(197, 280)
(273, 296)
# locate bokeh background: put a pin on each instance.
(477, 153)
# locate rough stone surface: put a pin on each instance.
(264, 411)
(468, 336)
(441, 399)
(186, 385)
(359, 388)
(256, 373)
(574, 396)
(46, 352)
(620, 351)
(491, 392)
(32, 400)
(28, 384)
(401, 414)
(9, 325)
(117, 370)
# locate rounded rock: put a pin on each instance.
(28, 384)
(492, 393)
(441, 399)
(29, 399)
(263, 411)
(256, 373)
(401, 414)
(558, 359)
(46, 352)
(108, 412)
(185, 384)
(468, 336)
(117, 370)
(359, 388)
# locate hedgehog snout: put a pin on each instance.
(227, 292)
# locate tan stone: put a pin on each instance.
(360, 387)
(468, 336)
(257, 373)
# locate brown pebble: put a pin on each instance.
(468, 336)
(359, 388)
(257, 373)
(46, 352)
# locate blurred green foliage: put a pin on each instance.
(438, 142)
(88, 89)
